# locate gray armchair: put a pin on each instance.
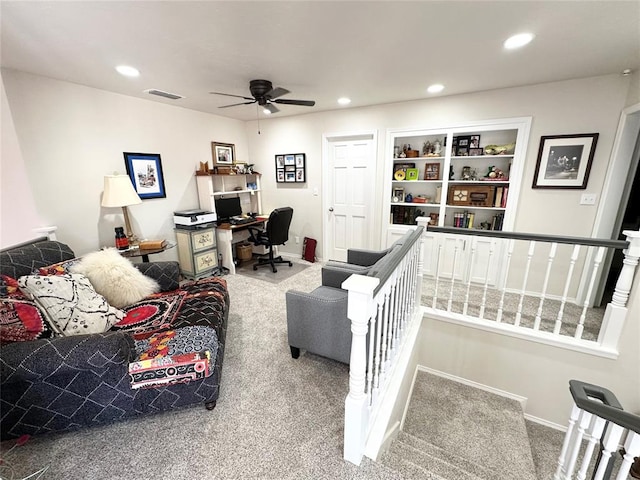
(317, 321)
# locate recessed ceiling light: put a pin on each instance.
(518, 41)
(435, 88)
(266, 111)
(128, 71)
(344, 101)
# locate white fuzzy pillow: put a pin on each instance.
(115, 277)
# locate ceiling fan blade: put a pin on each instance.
(271, 107)
(276, 92)
(236, 104)
(230, 95)
(286, 101)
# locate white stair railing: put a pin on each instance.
(384, 307)
(595, 411)
(527, 280)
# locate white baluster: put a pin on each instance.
(583, 423)
(573, 417)
(552, 256)
(593, 436)
(631, 450)
(609, 445)
(392, 308)
(438, 263)
(486, 278)
(453, 274)
(385, 331)
(572, 264)
(592, 282)
(532, 247)
(629, 264)
(474, 246)
(504, 286)
(370, 367)
(377, 355)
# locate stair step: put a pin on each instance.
(451, 458)
(414, 463)
(481, 427)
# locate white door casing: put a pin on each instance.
(349, 163)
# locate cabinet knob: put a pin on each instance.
(331, 209)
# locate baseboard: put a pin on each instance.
(471, 383)
(546, 423)
(391, 435)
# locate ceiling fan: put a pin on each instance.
(263, 93)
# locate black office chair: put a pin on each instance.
(277, 233)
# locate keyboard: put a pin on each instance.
(240, 221)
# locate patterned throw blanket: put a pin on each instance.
(174, 356)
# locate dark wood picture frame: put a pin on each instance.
(432, 171)
(291, 168)
(564, 161)
(224, 154)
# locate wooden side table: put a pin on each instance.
(137, 252)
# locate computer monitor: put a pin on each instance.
(227, 208)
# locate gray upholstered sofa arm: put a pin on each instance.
(365, 258)
(317, 322)
(167, 274)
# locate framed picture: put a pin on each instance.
(432, 171)
(564, 161)
(145, 172)
(223, 153)
(474, 141)
(291, 167)
(412, 174)
(475, 152)
(462, 151)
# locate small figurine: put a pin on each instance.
(494, 173)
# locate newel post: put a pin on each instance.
(616, 311)
(360, 308)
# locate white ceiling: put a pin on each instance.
(373, 52)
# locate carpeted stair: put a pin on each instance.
(457, 432)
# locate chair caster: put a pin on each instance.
(290, 264)
(255, 267)
(275, 270)
(210, 405)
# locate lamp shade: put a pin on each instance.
(119, 192)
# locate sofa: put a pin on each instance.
(59, 383)
(317, 321)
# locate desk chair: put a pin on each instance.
(277, 233)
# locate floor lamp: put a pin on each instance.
(119, 192)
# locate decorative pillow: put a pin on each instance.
(21, 321)
(57, 268)
(152, 314)
(70, 304)
(9, 287)
(115, 277)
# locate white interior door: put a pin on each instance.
(349, 193)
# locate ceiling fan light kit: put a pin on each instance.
(264, 94)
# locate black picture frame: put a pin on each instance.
(145, 172)
(564, 161)
(291, 168)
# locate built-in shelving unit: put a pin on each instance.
(244, 185)
(464, 176)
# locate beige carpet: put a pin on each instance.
(267, 275)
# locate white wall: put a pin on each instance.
(576, 106)
(70, 136)
(18, 212)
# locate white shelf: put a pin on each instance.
(218, 194)
(408, 159)
(416, 204)
(417, 181)
(473, 207)
(478, 182)
(483, 157)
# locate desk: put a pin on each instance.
(228, 235)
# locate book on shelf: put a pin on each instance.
(497, 200)
(505, 193)
(463, 219)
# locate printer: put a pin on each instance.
(193, 218)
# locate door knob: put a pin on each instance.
(331, 209)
